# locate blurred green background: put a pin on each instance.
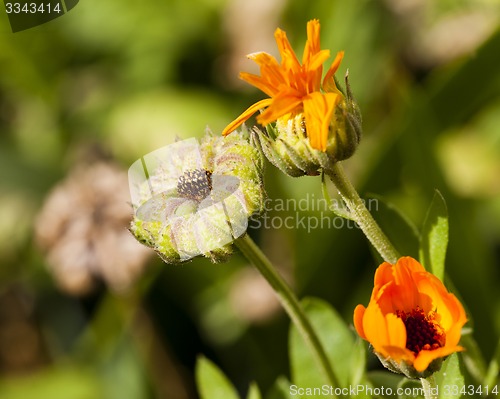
(111, 81)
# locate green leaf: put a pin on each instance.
(492, 374)
(61, 382)
(253, 392)
(449, 377)
(346, 354)
(434, 238)
(211, 382)
(472, 357)
(410, 389)
(280, 389)
(397, 227)
(358, 362)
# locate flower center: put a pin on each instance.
(195, 184)
(422, 332)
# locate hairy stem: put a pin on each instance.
(290, 303)
(361, 215)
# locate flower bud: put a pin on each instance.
(310, 123)
(286, 144)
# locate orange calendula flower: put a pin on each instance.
(295, 88)
(412, 321)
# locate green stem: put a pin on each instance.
(430, 387)
(361, 215)
(291, 304)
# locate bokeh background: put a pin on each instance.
(86, 312)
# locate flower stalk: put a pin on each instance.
(361, 215)
(290, 303)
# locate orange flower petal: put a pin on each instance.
(263, 59)
(425, 357)
(359, 312)
(396, 330)
(398, 354)
(288, 58)
(264, 85)
(447, 305)
(284, 103)
(401, 291)
(315, 70)
(312, 46)
(271, 78)
(454, 332)
(318, 59)
(410, 264)
(408, 295)
(246, 115)
(375, 327)
(383, 275)
(329, 81)
(318, 111)
(386, 333)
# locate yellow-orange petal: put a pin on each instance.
(271, 77)
(400, 287)
(284, 103)
(397, 354)
(318, 59)
(266, 85)
(410, 264)
(386, 333)
(263, 58)
(318, 111)
(312, 44)
(375, 328)
(288, 58)
(454, 332)
(408, 295)
(246, 115)
(449, 309)
(329, 81)
(383, 275)
(425, 357)
(359, 312)
(314, 70)
(396, 330)
(388, 337)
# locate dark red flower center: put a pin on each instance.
(422, 331)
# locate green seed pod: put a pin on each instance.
(195, 199)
